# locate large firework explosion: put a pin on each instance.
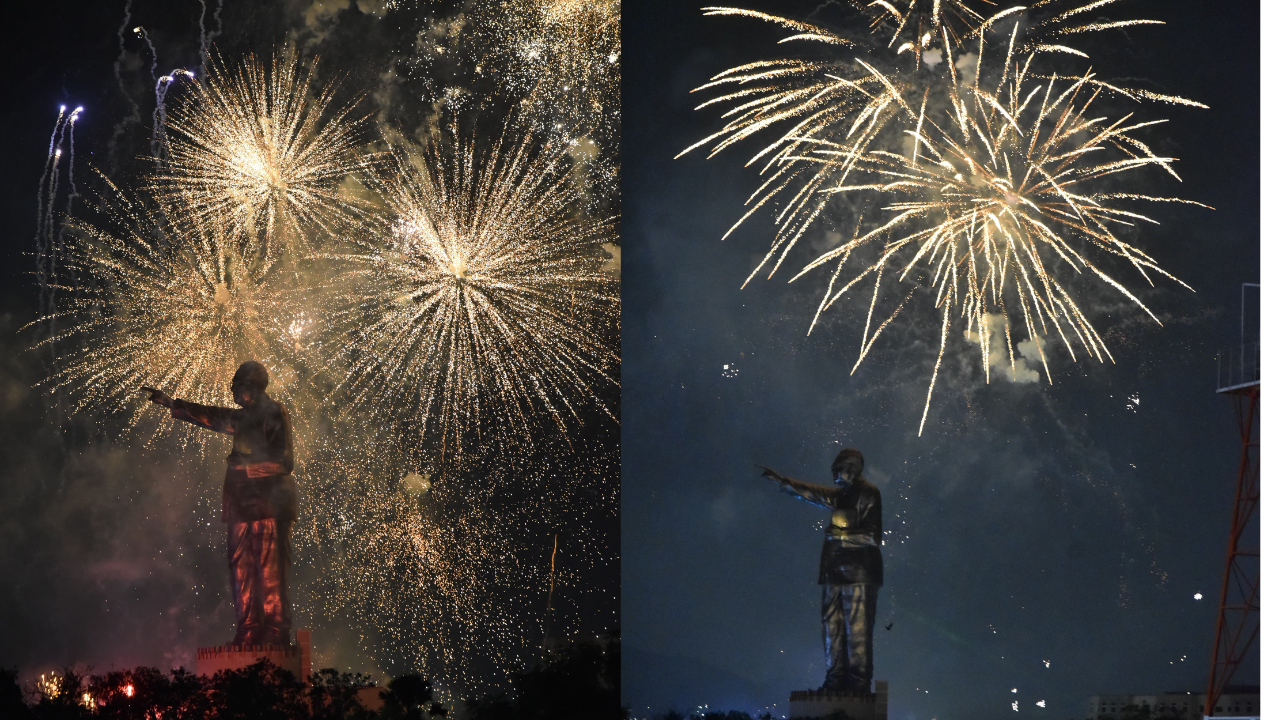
(480, 300)
(164, 299)
(252, 147)
(987, 180)
(416, 546)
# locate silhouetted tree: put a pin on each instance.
(334, 696)
(578, 680)
(11, 703)
(65, 701)
(260, 691)
(406, 696)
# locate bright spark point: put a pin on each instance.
(1198, 596)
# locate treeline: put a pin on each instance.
(577, 680)
(260, 691)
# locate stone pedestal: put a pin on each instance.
(856, 706)
(294, 658)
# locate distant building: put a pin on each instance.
(1238, 701)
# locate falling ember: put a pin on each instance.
(484, 296)
(989, 188)
(561, 56)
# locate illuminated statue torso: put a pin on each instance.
(851, 550)
(259, 482)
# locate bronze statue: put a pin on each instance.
(851, 570)
(259, 501)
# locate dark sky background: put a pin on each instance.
(1044, 538)
(111, 554)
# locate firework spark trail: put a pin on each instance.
(135, 113)
(50, 166)
(204, 41)
(918, 26)
(252, 148)
(1000, 184)
(155, 59)
(48, 235)
(482, 295)
(159, 117)
(213, 34)
(1001, 197)
(71, 156)
(837, 101)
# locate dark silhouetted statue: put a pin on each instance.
(851, 570)
(259, 501)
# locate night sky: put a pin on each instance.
(111, 553)
(1043, 538)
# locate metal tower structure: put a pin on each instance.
(1240, 378)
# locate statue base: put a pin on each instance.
(817, 704)
(295, 658)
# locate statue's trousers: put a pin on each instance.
(848, 619)
(258, 557)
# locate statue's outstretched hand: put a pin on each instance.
(158, 397)
(772, 475)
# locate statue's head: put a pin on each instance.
(847, 466)
(249, 383)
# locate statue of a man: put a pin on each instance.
(259, 501)
(851, 571)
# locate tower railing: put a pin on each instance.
(1239, 367)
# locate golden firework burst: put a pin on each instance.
(257, 148)
(164, 299)
(480, 301)
(995, 186)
